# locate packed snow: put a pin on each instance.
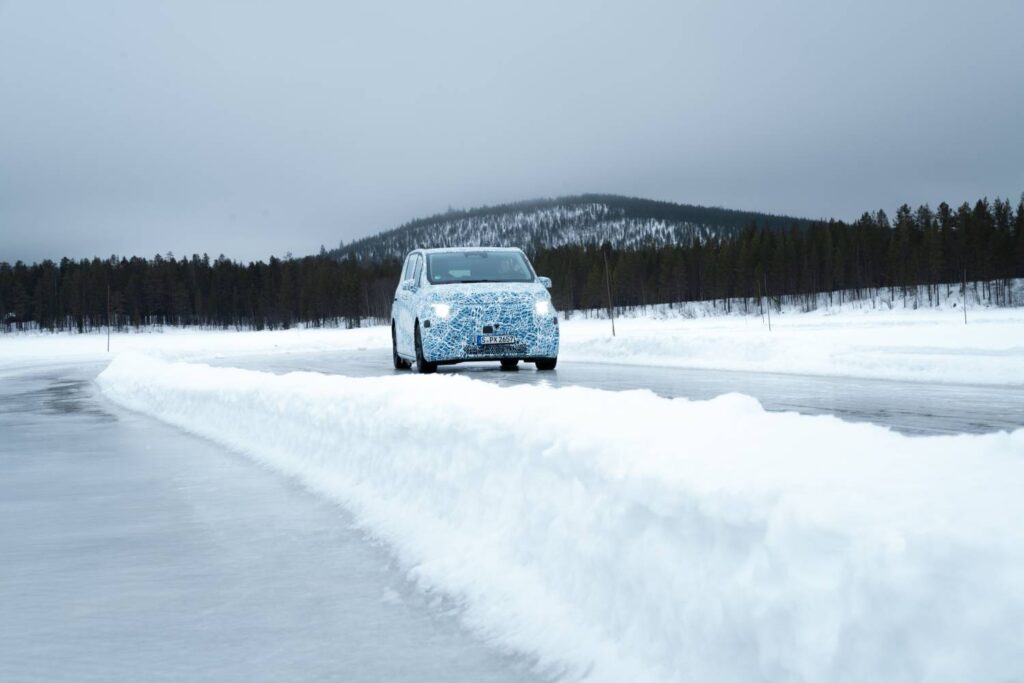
(630, 537)
(21, 350)
(914, 345)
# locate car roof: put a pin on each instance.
(439, 250)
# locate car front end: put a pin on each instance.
(489, 321)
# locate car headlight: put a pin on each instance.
(441, 310)
(542, 307)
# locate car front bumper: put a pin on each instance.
(454, 339)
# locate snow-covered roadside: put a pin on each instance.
(21, 350)
(631, 537)
(921, 345)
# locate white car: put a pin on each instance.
(472, 304)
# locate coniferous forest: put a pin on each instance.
(980, 243)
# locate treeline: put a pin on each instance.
(137, 292)
(940, 248)
(983, 242)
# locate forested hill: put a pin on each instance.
(582, 220)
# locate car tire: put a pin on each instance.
(547, 363)
(509, 363)
(400, 363)
(423, 367)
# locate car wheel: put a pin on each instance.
(547, 363)
(400, 363)
(422, 366)
(509, 363)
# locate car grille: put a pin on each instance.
(503, 316)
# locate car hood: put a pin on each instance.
(489, 293)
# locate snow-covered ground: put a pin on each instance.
(623, 536)
(915, 345)
(19, 350)
(631, 537)
(923, 344)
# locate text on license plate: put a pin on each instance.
(489, 339)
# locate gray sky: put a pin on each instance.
(256, 128)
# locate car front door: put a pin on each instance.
(405, 304)
(400, 307)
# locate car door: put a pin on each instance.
(413, 302)
(406, 302)
(400, 308)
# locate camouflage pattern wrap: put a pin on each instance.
(507, 308)
(453, 316)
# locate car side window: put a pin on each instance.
(417, 267)
(407, 270)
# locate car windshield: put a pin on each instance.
(449, 267)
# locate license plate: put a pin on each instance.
(492, 339)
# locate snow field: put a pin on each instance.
(623, 536)
(922, 345)
(18, 350)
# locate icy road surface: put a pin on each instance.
(907, 407)
(622, 536)
(134, 552)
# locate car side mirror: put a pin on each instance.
(408, 285)
(546, 281)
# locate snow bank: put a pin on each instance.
(922, 345)
(27, 349)
(626, 537)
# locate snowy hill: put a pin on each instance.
(588, 219)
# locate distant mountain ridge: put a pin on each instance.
(587, 219)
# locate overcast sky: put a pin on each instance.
(257, 128)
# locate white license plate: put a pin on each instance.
(492, 339)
